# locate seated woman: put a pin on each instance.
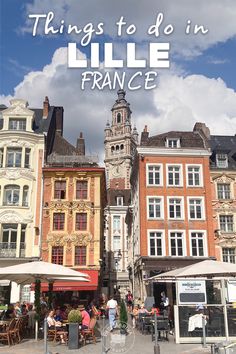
(85, 317)
(53, 324)
(154, 310)
(134, 315)
(58, 316)
(142, 309)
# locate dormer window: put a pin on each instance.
(222, 160)
(118, 118)
(173, 143)
(17, 124)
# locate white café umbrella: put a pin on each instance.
(207, 268)
(27, 273)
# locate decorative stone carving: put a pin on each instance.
(68, 240)
(223, 179)
(11, 216)
(16, 173)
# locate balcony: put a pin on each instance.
(8, 250)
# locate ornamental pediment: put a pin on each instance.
(223, 178)
(11, 216)
(68, 240)
(19, 108)
(16, 173)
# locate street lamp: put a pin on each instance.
(117, 259)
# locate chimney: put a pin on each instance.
(46, 107)
(59, 119)
(144, 136)
(80, 145)
(202, 128)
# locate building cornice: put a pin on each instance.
(171, 152)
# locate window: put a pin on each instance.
(223, 190)
(154, 177)
(57, 255)
(175, 208)
(9, 234)
(194, 176)
(27, 158)
(81, 221)
(118, 118)
(116, 243)
(81, 190)
(80, 255)
(1, 157)
(173, 143)
(116, 223)
(196, 209)
(227, 223)
(17, 124)
(58, 221)
(156, 245)
(22, 233)
(222, 160)
(176, 244)
(174, 176)
(14, 157)
(154, 208)
(228, 255)
(25, 201)
(120, 201)
(11, 195)
(60, 190)
(197, 244)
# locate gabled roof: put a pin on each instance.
(187, 139)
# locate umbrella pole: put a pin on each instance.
(225, 309)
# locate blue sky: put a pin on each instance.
(199, 86)
(21, 53)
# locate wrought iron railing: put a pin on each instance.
(9, 250)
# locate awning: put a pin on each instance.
(74, 285)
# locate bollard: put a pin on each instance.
(204, 332)
(103, 335)
(156, 345)
(45, 335)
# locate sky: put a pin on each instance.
(200, 84)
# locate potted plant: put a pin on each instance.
(74, 318)
(123, 318)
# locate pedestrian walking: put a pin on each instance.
(112, 311)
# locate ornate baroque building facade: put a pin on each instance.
(22, 151)
(120, 144)
(73, 204)
(223, 176)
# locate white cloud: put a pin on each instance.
(176, 104)
(216, 15)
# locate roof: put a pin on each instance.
(187, 139)
(41, 125)
(62, 147)
(224, 144)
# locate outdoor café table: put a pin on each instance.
(159, 330)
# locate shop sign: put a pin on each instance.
(192, 292)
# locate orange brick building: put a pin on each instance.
(171, 197)
(73, 203)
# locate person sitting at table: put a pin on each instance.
(85, 317)
(58, 316)
(134, 315)
(53, 324)
(24, 310)
(63, 313)
(10, 312)
(18, 309)
(142, 309)
(154, 310)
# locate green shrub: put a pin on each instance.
(74, 316)
(123, 313)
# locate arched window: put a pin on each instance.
(11, 195)
(118, 118)
(25, 201)
(117, 148)
(112, 149)
(122, 147)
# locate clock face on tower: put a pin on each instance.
(115, 171)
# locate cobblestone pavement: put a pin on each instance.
(141, 344)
